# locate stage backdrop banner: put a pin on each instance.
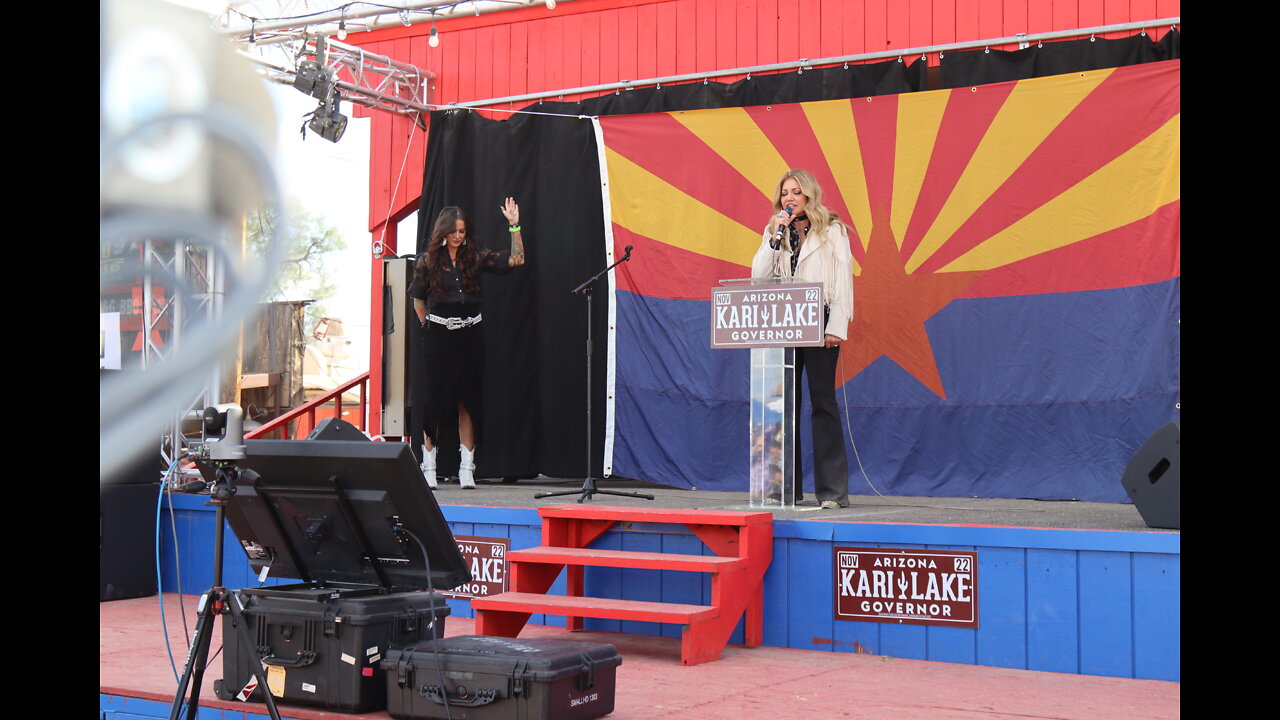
(1016, 280)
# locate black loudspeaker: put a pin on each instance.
(336, 429)
(126, 540)
(1152, 478)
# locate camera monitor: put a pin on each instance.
(328, 511)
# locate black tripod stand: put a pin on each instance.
(216, 601)
(589, 484)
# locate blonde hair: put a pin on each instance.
(820, 216)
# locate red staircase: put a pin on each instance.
(742, 543)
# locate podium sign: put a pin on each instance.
(767, 316)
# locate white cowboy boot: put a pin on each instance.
(466, 468)
(429, 466)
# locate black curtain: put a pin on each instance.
(535, 329)
(981, 67)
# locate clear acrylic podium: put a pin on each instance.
(772, 429)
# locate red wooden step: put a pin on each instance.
(626, 559)
(595, 608)
(657, 515)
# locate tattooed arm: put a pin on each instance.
(512, 212)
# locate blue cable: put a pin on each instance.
(159, 580)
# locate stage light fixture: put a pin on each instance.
(313, 79)
(327, 122)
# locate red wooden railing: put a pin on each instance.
(305, 415)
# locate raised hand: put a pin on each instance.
(511, 211)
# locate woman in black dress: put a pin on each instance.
(446, 296)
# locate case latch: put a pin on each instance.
(404, 667)
(461, 697)
(587, 678)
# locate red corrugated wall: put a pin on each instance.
(592, 42)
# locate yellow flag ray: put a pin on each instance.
(833, 126)
(734, 136)
(645, 204)
(1129, 188)
(919, 115)
(1032, 110)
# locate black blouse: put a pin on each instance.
(497, 262)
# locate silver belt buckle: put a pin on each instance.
(456, 323)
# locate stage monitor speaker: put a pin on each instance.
(1152, 478)
(336, 429)
(399, 338)
(126, 540)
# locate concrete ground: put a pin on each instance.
(745, 683)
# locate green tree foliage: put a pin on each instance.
(302, 275)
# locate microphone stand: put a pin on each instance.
(589, 484)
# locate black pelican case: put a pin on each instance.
(322, 645)
(494, 678)
(355, 521)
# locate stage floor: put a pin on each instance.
(1059, 514)
(761, 682)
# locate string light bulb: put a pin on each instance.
(551, 4)
(342, 29)
(434, 39)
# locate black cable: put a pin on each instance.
(444, 692)
(844, 392)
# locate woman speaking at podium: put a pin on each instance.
(447, 297)
(807, 241)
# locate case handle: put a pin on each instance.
(461, 697)
(304, 658)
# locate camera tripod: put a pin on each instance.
(216, 601)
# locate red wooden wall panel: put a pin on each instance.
(943, 24)
(1014, 17)
(589, 45)
(627, 44)
(665, 39)
(590, 42)
(686, 38)
(898, 26)
(608, 51)
(570, 50)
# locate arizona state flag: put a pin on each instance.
(1016, 280)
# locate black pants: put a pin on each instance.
(831, 465)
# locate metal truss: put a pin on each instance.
(377, 82)
(193, 296)
(289, 22)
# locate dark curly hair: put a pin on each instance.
(431, 263)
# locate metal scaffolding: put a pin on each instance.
(196, 298)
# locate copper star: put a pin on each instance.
(890, 309)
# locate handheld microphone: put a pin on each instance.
(776, 243)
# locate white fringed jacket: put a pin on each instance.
(825, 258)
